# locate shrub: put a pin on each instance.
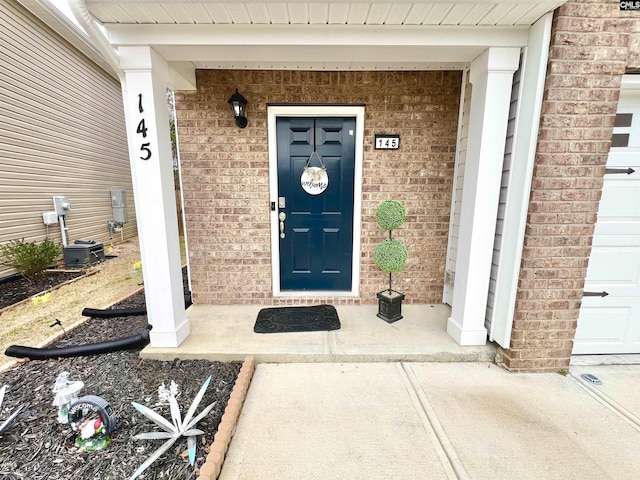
(30, 259)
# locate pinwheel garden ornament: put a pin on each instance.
(173, 429)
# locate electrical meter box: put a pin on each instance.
(119, 205)
(83, 255)
(61, 205)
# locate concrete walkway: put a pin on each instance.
(410, 421)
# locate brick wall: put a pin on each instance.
(226, 176)
(588, 56)
(632, 25)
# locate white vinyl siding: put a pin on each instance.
(504, 184)
(62, 132)
(458, 179)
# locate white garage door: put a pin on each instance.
(611, 323)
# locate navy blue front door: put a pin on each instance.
(317, 248)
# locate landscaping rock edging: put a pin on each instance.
(212, 466)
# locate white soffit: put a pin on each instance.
(372, 12)
(320, 35)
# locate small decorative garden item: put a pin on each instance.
(44, 298)
(390, 256)
(136, 267)
(164, 392)
(175, 428)
(66, 392)
(94, 420)
(11, 417)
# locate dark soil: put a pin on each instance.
(37, 447)
(14, 290)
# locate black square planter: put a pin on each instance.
(390, 305)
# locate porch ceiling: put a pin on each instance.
(322, 12)
(319, 35)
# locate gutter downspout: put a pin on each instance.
(80, 11)
(102, 45)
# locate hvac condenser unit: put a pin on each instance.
(83, 255)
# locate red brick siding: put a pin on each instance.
(588, 56)
(226, 176)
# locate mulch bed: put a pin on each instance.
(37, 447)
(14, 290)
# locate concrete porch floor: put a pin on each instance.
(225, 333)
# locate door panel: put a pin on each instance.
(300, 247)
(609, 326)
(316, 252)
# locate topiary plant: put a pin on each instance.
(390, 214)
(390, 255)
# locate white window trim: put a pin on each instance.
(316, 111)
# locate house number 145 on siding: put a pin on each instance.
(142, 130)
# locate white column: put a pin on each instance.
(145, 100)
(491, 76)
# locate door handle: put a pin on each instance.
(282, 217)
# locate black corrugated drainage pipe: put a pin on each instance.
(125, 343)
(113, 312)
(124, 312)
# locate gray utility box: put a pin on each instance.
(78, 256)
(119, 205)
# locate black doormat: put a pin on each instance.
(297, 319)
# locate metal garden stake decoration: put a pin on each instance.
(15, 413)
(175, 429)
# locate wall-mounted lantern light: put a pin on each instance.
(239, 107)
